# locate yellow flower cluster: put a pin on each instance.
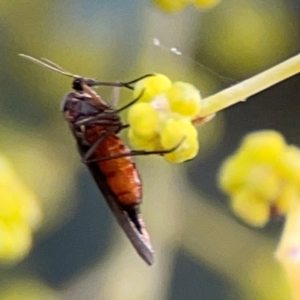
(177, 5)
(19, 215)
(261, 177)
(161, 119)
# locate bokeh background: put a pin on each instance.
(202, 250)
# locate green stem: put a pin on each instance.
(249, 87)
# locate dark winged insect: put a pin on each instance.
(95, 126)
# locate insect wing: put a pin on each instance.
(140, 241)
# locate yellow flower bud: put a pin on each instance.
(151, 87)
(289, 194)
(289, 164)
(264, 181)
(144, 120)
(264, 146)
(184, 99)
(263, 175)
(140, 143)
(179, 131)
(249, 207)
(233, 172)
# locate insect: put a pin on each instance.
(95, 126)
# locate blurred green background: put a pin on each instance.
(202, 251)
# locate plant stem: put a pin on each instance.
(249, 87)
(288, 251)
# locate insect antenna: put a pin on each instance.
(50, 65)
(53, 64)
(87, 81)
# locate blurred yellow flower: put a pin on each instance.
(26, 288)
(250, 207)
(177, 5)
(162, 119)
(171, 5)
(206, 4)
(19, 215)
(262, 176)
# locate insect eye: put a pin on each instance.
(77, 84)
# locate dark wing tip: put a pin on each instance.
(143, 244)
(148, 258)
(140, 239)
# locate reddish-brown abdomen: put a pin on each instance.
(121, 174)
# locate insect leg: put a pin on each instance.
(97, 120)
(104, 119)
(128, 83)
(125, 126)
(101, 138)
(92, 82)
(131, 102)
(135, 153)
(102, 122)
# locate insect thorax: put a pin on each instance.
(77, 106)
